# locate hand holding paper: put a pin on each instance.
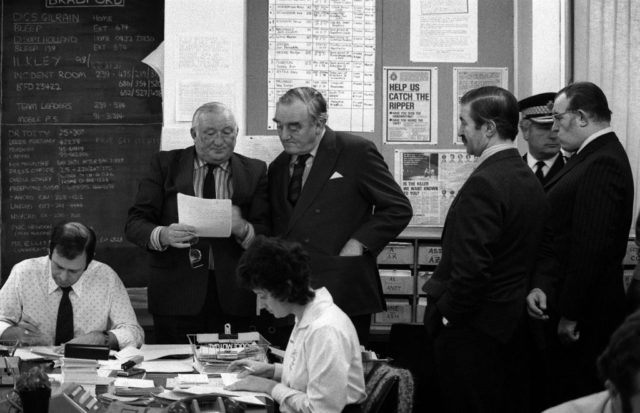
(177, 235)
(209, 217)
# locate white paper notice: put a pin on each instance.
(176, 137)
(467, 78)
(410, 102)
(191, 94)
(331, 46)
(265, 147)
(444, 31)
(204, 52)
(210, 217)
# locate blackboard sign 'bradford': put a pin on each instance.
(81, 115)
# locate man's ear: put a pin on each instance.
(490, 129)
(193, 133)
(583, 118)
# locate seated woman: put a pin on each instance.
(322, 367)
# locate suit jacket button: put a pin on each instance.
(317, 211)
(306, 240)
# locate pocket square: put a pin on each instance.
(336, 175)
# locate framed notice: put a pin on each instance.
(468, 78)
(410, 103)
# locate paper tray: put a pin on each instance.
(214, 352)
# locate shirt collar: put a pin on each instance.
(492, 150)
(200, 163)
(78, 287)
(594, 136)
(531, 161)
(315, 307)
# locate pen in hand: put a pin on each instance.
(249, 369)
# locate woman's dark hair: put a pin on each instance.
(620, 361)
(277, 266)
(71, 239)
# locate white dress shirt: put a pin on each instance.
(548, 163)
(99, 300)
(224, 190)
(594, 136)
(322, 366)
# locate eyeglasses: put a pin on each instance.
(558, 116)
(195, 255)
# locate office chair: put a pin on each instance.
(389, 389)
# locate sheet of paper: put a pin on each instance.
(128, 353)
(229, 378)
(444, 31)
(176, 137)
(45, 352)
(192, 379)
(119, 398)
(264, 147)
(167, 366)
(25, 354)
(137, 383)
(193, 93)
(157, 351)
(210, 217)
(249, 400)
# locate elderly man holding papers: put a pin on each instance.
(192, 287)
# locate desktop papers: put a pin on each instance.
(210, 217)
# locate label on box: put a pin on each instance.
(396, 281)
(429, 254)
(398, 311)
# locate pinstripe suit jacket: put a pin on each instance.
(592, 200)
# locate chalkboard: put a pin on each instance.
(81, 115)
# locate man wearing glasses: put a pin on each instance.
(192, 286)
(333, 193)
(592, 200)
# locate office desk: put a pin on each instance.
(159, 379)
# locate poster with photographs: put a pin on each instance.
(431, 180)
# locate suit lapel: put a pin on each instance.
(280, 183)
(579, 157)
(184, 177)
(238, 179)
(323, 166)
(555, 168)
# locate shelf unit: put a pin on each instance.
(416, 254)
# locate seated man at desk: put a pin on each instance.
(322, 367)
(67, 297)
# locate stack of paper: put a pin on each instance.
(80, 371)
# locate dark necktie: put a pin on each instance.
(539, 173)
(295, 183)
(209, 186)
(64, 323)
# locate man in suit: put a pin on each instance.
(544, 156)
(591, 199)
(333, 193)
(491, 238)
(192, 288)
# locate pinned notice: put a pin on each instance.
(210, 217)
